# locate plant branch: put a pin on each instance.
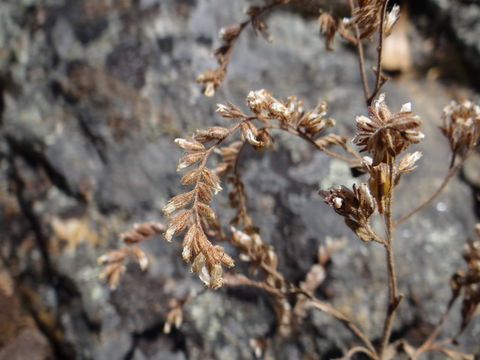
(361, 57)
(237, 280)
(433, 335)
(394, 298)
(381, 37)
(432, 197)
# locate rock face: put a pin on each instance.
(92, 94)
(459, 19)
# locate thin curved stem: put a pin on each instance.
(394, 298)
(361, 56)
(237, 280)
(433, 335)
(359, 349)
(381, 38)
(433, 196)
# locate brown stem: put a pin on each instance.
(361, 57)
(323, 148)
(432, 197)
(433, 335)
(393, 297)
(381, 37)
(359, 349)
(329, 309)
(237, 280)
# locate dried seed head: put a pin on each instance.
(189, 159)
(141, 257)
(142, 232)
(189, 144)
(461, 125)
(328, 28)
(212, 133)
(367, 17)
(178, 202)
(391, 19)
(357, 204)
(407, 163)
(259, 101)
(178, 224)
(250, 133)
(229, 111)
(228, 33)
(384, 134)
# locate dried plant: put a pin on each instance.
(114, 260)
(384, 135)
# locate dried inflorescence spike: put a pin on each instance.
(114, 262)
(289, 114)
(356, 206)
(141, 232)
(211, 79)
(467, 283)
(384, 134)
(229, 156)
(207, 260)
(461, 125)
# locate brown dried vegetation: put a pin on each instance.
(383, 134)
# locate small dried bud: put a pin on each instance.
(189, 159)
(229, 111)
(259, 101)
(328, 28)
(112, 256)
(250, 132)
(230, 32)
(407, 163)
(461, 125)
(209, 89)
(212, 133)
(141, 258)
(189, 144)
(177, 202)
(391, 19)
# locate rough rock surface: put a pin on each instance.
(458, 19)
(92, 94)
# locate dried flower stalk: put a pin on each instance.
(114, 260)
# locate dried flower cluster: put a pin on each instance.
(114, 260)
(384, 134)
(461, 126)
(211, 79)
(207, 259)
(467, 283)
(368, 17)
(356, 206)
